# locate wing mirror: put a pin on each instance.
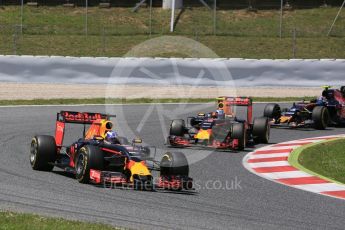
(137, 140)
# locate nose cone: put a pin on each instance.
(285, 119)
(203, 135)
(139, 168)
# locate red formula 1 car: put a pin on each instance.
(221, 129)
(93, 159)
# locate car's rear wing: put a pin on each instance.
(236, 101)
(81, 117)
(226, 104)
(84, 118)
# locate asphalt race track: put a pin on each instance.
(255, 203)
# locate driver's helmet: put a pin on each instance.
(221, 114)
(111, 137)
(328, 94)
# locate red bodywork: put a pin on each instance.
(118, 179)
(341, 99)
(95, 120)
(175, 183)
(226, 103)
(73, 117)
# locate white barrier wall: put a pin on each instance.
(243, 72)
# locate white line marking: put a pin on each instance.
(268, 154)
(284, 175)
(128, 104)
(315, 188)
(269, 164)
(299, 141)
(325, 187)
(317, 139)
(272, 147)
(262, 156)
(170, 103)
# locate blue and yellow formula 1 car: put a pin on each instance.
(328, 109)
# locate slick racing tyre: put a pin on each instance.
(194, 123)
(320, 116)
(88, 157)
(239, 132)
(174, 164)
(178, 128)
(261, 130)
(43, 153)
(272, 110)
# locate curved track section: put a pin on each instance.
(272, 163)
(247, 202)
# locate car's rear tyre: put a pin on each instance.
(194, 123)
(239, 132)
(43, 153)
(320, 116)
(272, 110)
(88, 157)
(261, 130)
(174, 164)
(177, 127)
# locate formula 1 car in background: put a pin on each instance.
(328, 109)
(92, 159)
(221, 129)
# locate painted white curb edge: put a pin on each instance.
(269, 163)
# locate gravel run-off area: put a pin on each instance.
(15, 91)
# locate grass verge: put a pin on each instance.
(189, 21)
(223, 46)
(115, 31)
(62, 101)
(324, 159)
(10, 220)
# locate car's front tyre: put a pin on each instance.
(88, 157)
(261, 130)
(272, 111)
(178, 128)
(239, 133)
(320, 116)
(174, 164)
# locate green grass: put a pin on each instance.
(14, 221)
(118, 20)
(114, 31)
(326, 159)
(132, 101)
(223, 46)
